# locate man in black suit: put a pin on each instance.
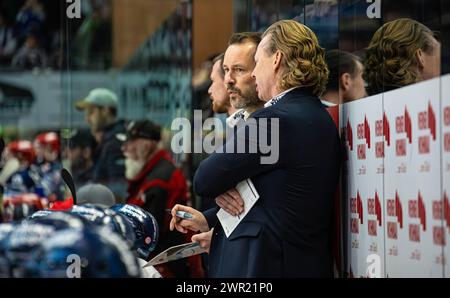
(286, 233)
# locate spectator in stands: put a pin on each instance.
(31, 55)
(154, 184)
(56, 56)
(345, 81)
(30, 18)
(80, 154)
(401, 52)
(92, 45)
(100, 108)
(8, 42)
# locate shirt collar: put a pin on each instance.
(328, 103)
(277, 98)
(234, 118)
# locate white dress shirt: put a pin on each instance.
(276, 98)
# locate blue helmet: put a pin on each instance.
(145, 228)
(17, 246)
(30, 234)
(87, 253)
(59, 220)
(5, 230)
(124, 225)
(106, 217)
(41, 213)
(92, 213)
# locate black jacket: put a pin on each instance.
(287, 232)
(109, 168)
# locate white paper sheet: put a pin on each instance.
(249, 194)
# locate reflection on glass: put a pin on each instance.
(92, 43)
(155, 84)
(401, 52)
(293, 9)
(355, 28)
(264, 13)
(322, 17)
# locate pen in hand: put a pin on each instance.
(181, 214)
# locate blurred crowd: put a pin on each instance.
(30, 39)
(114, 162)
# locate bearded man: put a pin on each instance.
(154, 184)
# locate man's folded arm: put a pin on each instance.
(221, 172)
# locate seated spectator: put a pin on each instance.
(92, 43)
(345, 81)
(101, 110)
(31, 55)
(56, 56)
(401, 52)
(155, 184)
(8, 42)
(80, 153)
(30, 18)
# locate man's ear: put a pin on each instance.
(420, 59)
(344, 81)
(277, 60)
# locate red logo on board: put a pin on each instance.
(386, 130)
(408, 126)
(349, 135)
(392, 230)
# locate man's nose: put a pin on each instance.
(229, 80)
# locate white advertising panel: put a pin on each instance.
(364, 143)
(414, 232)
(445, 145)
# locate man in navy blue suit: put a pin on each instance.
(287, 232)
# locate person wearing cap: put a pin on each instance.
(100, 107)
(80, 153)
(154, 184)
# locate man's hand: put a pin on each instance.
(204, 239)
(231, 202)
(196, 223)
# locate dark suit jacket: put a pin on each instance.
(287, 232)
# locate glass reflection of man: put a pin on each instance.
(401, 52)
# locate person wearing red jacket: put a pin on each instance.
(156, 184)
